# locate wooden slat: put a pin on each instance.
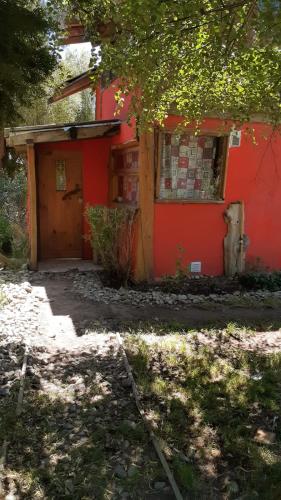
(189, 202)
(224, 165)
(158, 150)
(32, 205)
(144, 254)
(125, 145)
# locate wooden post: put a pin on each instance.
(32, 205)
(144, 254)
(234, 249)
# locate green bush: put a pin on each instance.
(112, 239)
(13, 231)
(261, 280)
(5, 234)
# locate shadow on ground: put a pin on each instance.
(79, 434)
(64, 302)
(220, 408)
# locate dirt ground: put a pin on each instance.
(79, 434)
(63, 302)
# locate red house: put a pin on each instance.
(211, 199)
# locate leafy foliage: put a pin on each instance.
(198, 57)
(5, 233)
(27, 55)
(111, 239)
(78, 107)
(13, 239)
(261, 280)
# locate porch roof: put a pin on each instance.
(75, 84)
(20, 136)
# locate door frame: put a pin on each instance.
(33, 213)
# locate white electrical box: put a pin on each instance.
(235, 139)
(195, 267)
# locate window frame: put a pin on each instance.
(224, 145)
(115, 173)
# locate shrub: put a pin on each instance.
(13, 233)
(112, 231)
(5, 235)
(261, 280)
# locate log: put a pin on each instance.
(234, 248)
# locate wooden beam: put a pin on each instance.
(144, 253)
(83, 83)
(60, 134)
(234, 247)
(75, 33)
(132, 143)
(32, 205)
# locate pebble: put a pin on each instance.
(159, 485)
(90, 287)
(120, 472)
(21, 307)
(4, 392)
(132, 471)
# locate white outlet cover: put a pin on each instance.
(195, 267)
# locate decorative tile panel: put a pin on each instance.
(188, 167)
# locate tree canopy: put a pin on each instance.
(27, 55)
(75, 108)
(201, 57)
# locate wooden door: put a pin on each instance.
(60, 204)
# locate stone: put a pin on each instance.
(264, 437)
(120, 472)
(4, 391)
(159, 485)
(132, 471)
(69, 486)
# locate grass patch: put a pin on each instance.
(209, 405)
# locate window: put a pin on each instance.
(60, 175)
(191, 167)
(125, 187)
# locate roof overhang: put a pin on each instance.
(20, 136)
(74, 85)
(75, 33)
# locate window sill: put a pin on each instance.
(185, 202)
(117, 204)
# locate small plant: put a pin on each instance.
(112, 234)
(13, 234)
(180, 268)
(5, 235)
(261, 280)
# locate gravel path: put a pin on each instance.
(79, 434)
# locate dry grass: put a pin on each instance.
(207, 404)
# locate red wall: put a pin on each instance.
(253, 176)
(106, 109)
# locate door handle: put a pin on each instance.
(70, 193)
